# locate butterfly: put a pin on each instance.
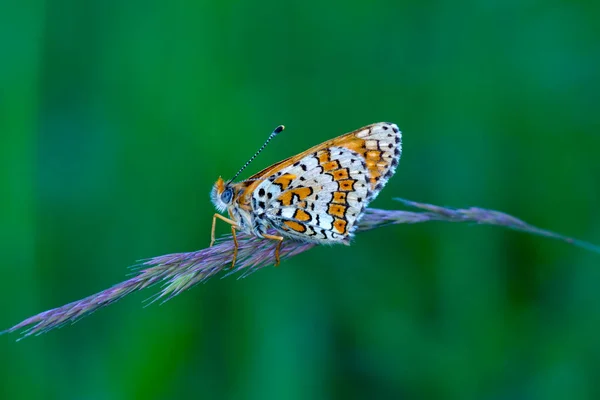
(316, 196)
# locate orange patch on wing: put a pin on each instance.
(286, 198)
(340, 225)
(336, 210)
(302, 215)
(296, 226)
(285, 180)
(340, 174)
(324, 157)
(355, 144)
(347, 185)
(331, 165)
(374, 155)
(372, 158)
(302, 192)
(374, 170)
(339, 198)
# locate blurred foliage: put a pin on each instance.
(117, 117)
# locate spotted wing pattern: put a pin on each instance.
(318, 198)
(381, 146)
(320, 194)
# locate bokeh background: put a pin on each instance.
(117, 117)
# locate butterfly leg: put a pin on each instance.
(235, 245)
(278, 248)
(233, 234)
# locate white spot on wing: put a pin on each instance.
(362, 133)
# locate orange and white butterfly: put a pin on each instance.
(316, 196)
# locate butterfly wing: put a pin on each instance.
(320, 194)
(318, 198)
(379, 145)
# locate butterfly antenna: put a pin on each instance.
(271, 136)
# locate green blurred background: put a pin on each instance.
(117, 117)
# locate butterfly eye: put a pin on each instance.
(227, 195)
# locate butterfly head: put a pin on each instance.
(222, 194)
